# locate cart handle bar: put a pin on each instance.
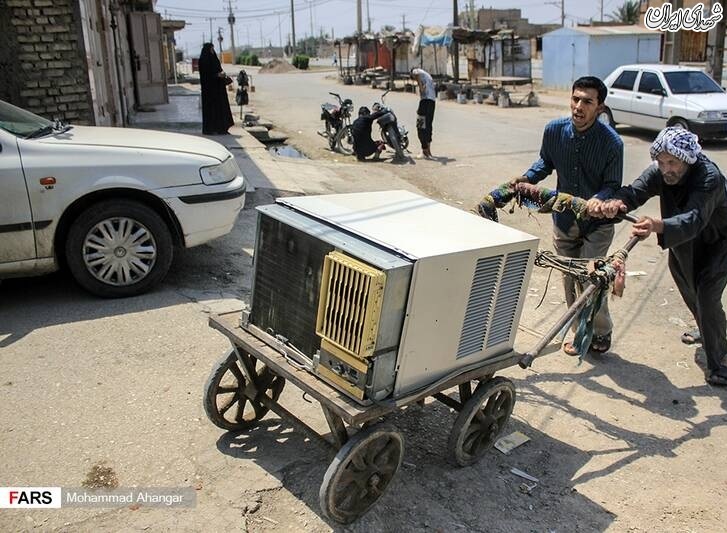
(527, 359)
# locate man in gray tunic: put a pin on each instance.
(693, 227)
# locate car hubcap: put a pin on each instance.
(119, 251)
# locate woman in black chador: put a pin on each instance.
(216, 114)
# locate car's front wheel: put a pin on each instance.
(680, 123)
(606, 116)
(118, 248)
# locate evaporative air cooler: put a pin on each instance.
(384, 293)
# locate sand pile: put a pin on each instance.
(277, 66)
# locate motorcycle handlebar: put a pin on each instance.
(336, 95)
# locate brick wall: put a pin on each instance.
(42, 59)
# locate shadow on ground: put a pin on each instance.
(429, 492)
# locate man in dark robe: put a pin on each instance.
(216, 114)
(693, 227)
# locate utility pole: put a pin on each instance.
(601, 10)
(403, 22)
(715, 49)
(455, 46)
(219, 40)
(472, 15)
(280, 35)
(247, 29)
(359, 27)
(368, 17)
(211, 32)
(673, 39)
(262, 43)
(562, 13)
(310, 10)
(292, 22)
(231, 20)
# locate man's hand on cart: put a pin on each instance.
(518, 179)
(593, 207)
(605, 208)
(646, 226)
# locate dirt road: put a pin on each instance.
(630, 441)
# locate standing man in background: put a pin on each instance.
(425, 112)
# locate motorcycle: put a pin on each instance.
(393, 135)
(337, 119)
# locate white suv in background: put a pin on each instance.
(656, 96)
(110, 203)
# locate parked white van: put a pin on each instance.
(656, 96)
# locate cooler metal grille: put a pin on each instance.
(508, 296)
(479, 306)
(350, 304)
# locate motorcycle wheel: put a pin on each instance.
(394, 142)
(344, 141)
(331, 134)
(404, 141)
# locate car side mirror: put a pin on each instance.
(660, 92)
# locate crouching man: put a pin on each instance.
(693, 227)
(363, 144)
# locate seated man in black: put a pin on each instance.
(363, 144)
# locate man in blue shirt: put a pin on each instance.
(587, 156)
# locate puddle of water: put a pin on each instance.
(285, 150)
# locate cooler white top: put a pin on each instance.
(408, 223)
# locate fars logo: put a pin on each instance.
(30, 497)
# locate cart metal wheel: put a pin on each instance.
(230, 400)
(481, 420)
(360, 472)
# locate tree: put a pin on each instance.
(628, 13)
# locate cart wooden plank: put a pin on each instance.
(351, 412)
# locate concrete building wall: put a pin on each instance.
(42, 59)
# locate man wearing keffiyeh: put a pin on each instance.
(693, 227)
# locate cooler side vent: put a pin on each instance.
(479, 306)
(349, 308)
(508, 296)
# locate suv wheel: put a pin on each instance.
(118, 248)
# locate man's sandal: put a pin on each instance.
(601, 343)
(691, 337)
(716, 379)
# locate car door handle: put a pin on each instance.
(638, 97)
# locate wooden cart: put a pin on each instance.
(247, 382)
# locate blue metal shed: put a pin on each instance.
(569, 53)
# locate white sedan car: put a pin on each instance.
(110, 203)
(656, 96)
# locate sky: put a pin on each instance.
(261, 19)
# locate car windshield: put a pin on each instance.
(21, 122)
(691, 82)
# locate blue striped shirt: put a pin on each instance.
(588, 164)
